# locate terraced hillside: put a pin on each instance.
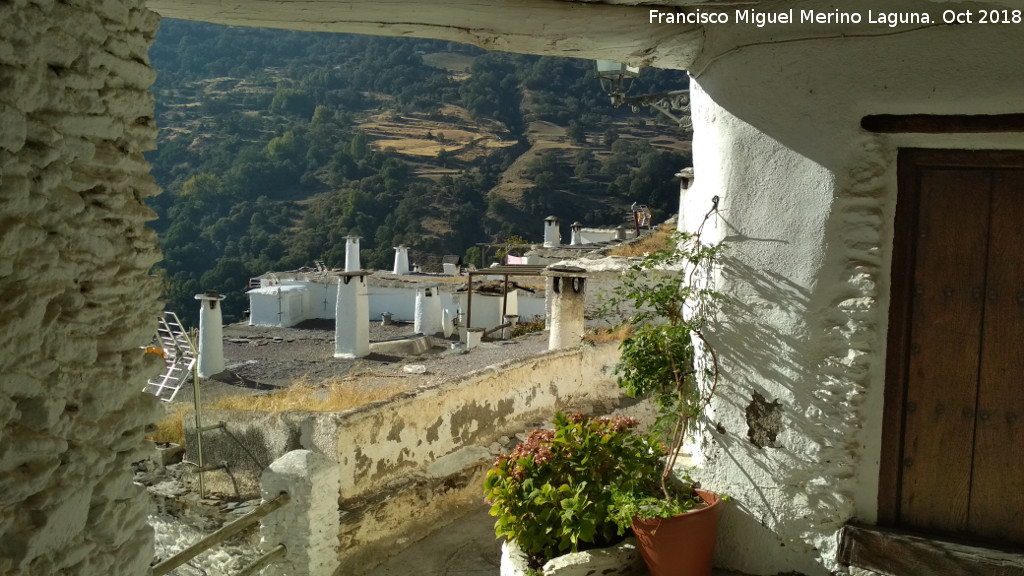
(276, 145)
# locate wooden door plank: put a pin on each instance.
(897, 553)
(945, 337)
(898, 339)
(997, 488)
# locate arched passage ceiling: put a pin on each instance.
(611, 29)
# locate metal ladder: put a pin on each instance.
(178, 355)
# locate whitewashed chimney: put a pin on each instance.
(211, 334)
(352, 319)
(352, 254)
(401, 260)
(427, 315)
(552, 236)
(685, 183)
(567, 286)
(577, 234)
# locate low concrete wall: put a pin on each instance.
(425, 451)
(376, 443)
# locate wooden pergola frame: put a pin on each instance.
(504, 271)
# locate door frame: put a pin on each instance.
(908, 200)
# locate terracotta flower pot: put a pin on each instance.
(683, 545)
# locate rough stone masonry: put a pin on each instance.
(76, 298)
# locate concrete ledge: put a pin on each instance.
(405, 347)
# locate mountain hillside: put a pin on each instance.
(275, 145)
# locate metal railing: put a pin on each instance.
(225, 532)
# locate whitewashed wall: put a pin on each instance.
(531, 306)
(807, 205)
(300, 300)
(399, 301)
(594, 235)
(284, 305)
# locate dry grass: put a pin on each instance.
(602, 335)
(656, 240)
(332, 396)
(170, 427)
(423, 136)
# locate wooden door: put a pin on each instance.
(953, 445)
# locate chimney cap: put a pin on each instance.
(564, 271)
(576, 224)
(210, 295)
(551, 219)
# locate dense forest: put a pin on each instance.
(275, 145)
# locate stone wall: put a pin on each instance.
(75, 295)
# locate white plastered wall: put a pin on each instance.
(807, 206)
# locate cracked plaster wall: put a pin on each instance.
(383, 443)
(76, 299)
(416, 461)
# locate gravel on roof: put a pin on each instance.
(262, 359)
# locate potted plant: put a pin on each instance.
(668, 359)
(553, 494)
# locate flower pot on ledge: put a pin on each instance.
(622, 559)
(683, 545)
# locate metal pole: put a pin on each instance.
(504, 300)
(262, 562)
(469, 299)
(192, 336)
(225, 532)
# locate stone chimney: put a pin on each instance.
(401, 260)
(211, 334)
(685, 183)
(352, 254)
(565, 290)
(577, 236)
(552, 236)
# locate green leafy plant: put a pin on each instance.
(555, 492)
(667, 357)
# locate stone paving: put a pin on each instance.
(466, 547)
